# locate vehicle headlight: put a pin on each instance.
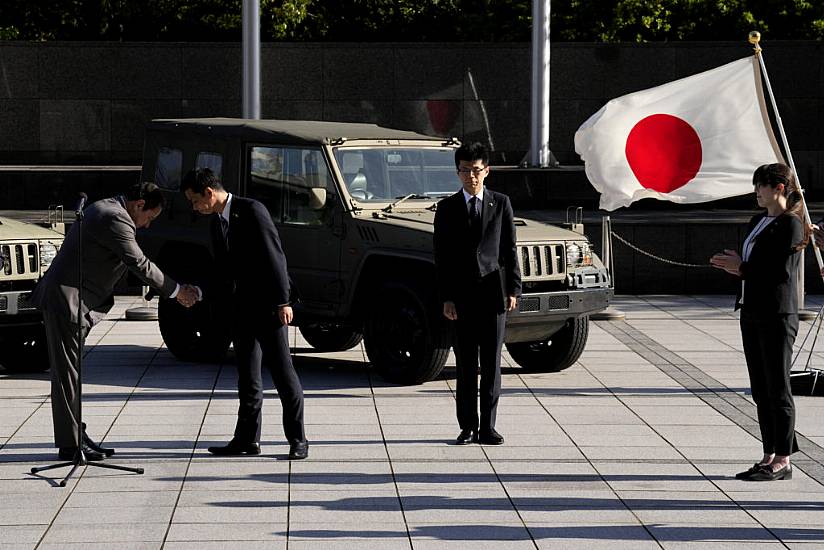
(48, 251)
(578, 254)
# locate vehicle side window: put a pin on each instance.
(294, 183)
(168, 168)
(266, 179)
(308, 190)
(212, 161)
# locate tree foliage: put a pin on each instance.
(410, 20)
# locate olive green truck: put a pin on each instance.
(354, 205)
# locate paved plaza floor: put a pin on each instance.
(635, 446)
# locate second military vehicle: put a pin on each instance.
(354, 205)
(26, 251)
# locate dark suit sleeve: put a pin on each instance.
(769, 262)
(508, 251)
(273, 257)
(120, 239)
(441, 241)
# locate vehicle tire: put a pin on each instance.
(26, 353)
(330, 337)
(404, 336)
(199, 334)
(557, 353)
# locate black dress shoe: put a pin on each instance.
(298, 450)
(747, 473)
(766, 473)
(94, 446)
(233, 448)
(491, 438)
(68, 453)
(466, 437)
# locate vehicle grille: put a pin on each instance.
(529, 304)
(4, 303)
(558, 302)
(19, 259)
(542, 261)
(24, 302)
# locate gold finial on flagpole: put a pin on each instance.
(754, 38)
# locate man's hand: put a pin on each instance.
(449, 311)
(285, 314)
(818, 234)
(511, 303)
(187, 296)
(729, 261)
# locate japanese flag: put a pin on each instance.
(692, 140)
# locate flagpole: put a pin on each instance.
(754, 39)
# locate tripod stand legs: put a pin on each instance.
(80, 460)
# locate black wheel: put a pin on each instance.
(198, 334)
(25, 350)
(331, 337)
(404, 336)
(556, 354)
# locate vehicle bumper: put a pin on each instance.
(16, 309)
(539, 315)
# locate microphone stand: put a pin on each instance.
(80, 457)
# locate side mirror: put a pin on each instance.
(317, 198)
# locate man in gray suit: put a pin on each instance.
(109, 249)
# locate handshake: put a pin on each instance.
(188, 295)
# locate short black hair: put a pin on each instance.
(471, 152)
(199, 179)
(148, 192)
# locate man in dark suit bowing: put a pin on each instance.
(478, 281)
(249, 254)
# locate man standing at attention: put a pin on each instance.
(109, 249)
(478, 281)
(249, 254)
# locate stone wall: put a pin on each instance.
(87, 102)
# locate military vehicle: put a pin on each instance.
(354, 205)
(26, 251)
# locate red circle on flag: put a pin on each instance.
(664, 152)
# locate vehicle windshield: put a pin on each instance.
(381, 174)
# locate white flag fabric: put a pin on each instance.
(692, 140)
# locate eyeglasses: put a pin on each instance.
(473, 171)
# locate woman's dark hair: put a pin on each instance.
(772, 175)
(148, 192)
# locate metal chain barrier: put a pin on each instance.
(654, 256)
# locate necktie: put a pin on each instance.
(474, 215)
(224, 225)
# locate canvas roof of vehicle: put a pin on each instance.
(289, 132)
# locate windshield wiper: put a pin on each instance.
(402, 199)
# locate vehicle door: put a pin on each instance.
(297, 187)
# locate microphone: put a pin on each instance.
(81, 202)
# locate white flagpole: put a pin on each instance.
(754, 39)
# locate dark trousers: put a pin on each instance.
(64, 347)
(479, 337)
(768, 347)
(266, 343)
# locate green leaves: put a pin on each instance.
(411, 20)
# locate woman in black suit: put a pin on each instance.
(768, 300)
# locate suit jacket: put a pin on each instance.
(109, 249)
(770, 274)
(253, 268)
(460, 256)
